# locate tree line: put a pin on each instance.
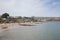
(6, 18)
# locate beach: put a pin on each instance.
(19, 24)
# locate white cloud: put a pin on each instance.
(7, 3)
(24, 7)
(29, 7)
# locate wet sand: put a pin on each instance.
(19, 33)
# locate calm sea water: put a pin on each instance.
(45, 31)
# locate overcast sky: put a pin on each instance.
(44, 8)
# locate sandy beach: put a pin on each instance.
(8, 24)
(20, 24)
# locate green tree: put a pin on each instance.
(19, 17)
(5, 15)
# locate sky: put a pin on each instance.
(45, 8)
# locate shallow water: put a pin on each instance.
(45, 31)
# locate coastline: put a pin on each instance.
(19, 24)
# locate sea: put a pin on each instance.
(42, 31)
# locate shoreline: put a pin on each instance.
(19, 24)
